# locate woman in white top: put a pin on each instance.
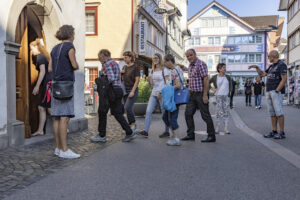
(223, 85)
(157, 79)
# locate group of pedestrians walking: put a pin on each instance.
(116, 86)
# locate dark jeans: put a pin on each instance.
(248, 98)
(129, 105)
(196, 102)
(231, 99)
(170, 118)
(117, 110)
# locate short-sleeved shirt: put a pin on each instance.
(64, 70)
(130, 74)
(42, 60)
(158, 80)
(197, 71)
(173, 77)
(274, 75)
(258, 87)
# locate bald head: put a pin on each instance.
(273, 56)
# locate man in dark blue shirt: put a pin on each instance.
(276, 79)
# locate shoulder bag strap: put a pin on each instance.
(179, 78)
(58, 58)
(163, 74)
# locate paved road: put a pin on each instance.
(236, 167)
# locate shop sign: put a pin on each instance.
(142, 37)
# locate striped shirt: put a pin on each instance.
(197, 71)
(112, 71)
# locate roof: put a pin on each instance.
(283, 5)
(257, 23)
(262, 22)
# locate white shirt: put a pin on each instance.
(158, 81)
(223, 86)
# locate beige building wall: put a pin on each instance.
(114, 28)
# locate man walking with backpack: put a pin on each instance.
(110, 95)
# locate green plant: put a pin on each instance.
(144, 91)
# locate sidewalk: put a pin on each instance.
(259, 120)
(22, 166)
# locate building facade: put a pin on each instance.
(20, 23)
(293, 48)
(219, 35)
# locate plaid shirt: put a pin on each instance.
(112, 71)
(197, 71)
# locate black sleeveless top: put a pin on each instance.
(65, 71)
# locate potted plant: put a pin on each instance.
(141, 103)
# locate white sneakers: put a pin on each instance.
(69, 154)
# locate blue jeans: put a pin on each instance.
(258, 100)
(129, 105)
(275, 103)
(153, 101)
(170, 118)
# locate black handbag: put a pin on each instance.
(62, 90)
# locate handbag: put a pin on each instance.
(181, 96)
(62, 90)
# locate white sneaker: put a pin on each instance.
(57, 151)
(68, 154)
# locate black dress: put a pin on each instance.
(45, 100)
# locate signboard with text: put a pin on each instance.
(142, 37)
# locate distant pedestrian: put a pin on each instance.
(276, 80)
(248, 91)
(63, 64)
(198, 87)
(112, 95)
(157, 79)
(170, 118)
(223, 86)
(232, 93)
(131, 76)
(258, 90)
(44, 80)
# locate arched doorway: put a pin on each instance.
(29, 27)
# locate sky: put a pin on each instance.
(243, 8)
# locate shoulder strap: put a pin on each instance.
(58, 58)
(179, 78)
(163, 74)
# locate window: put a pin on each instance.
(217, 59)
(91, 20)
(251, 58)
(196, 31)
(245, 40)
(204, 23)
(258, 39)
(237, 58)
(191, 41)
(210, 40)
(217, 22)
(244, 58)
(238, 40)
(210, 22)
(224, 22)
(197, 41)
(231, 59)
(217, 40)
(251, 39)
(258, 57)
(230, 40)
(223, 59)
(93, 74)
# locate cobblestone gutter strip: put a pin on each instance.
(20, 167)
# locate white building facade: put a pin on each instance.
(20, 23)
(220, 36)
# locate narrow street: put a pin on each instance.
(242, 165)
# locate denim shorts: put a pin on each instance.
(275, 103)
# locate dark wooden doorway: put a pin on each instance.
(28, 28)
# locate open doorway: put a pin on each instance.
(29, 27)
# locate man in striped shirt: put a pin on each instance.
(198, 87)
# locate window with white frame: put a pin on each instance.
(217, 40)
(251, 58)
(258, 58)
(237, 58)
(217, 59)
(223, 59)
(191, 41)
(91, 20)
(197, 41)
(258, 39)
(211, 40)
(230, 58)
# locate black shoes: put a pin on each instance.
(143, 133)
(271, 134)
(186, 138)
(209, 139)
(164, 135)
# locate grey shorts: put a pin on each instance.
(275, 103)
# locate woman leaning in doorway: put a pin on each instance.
(44, 80)
(63, 64)
(223, 85)
(131, 76)
(157, 79)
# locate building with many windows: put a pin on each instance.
(219, 35)
(293, 48)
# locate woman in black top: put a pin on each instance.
(44, 81)
(63, 63)
(248, 91)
